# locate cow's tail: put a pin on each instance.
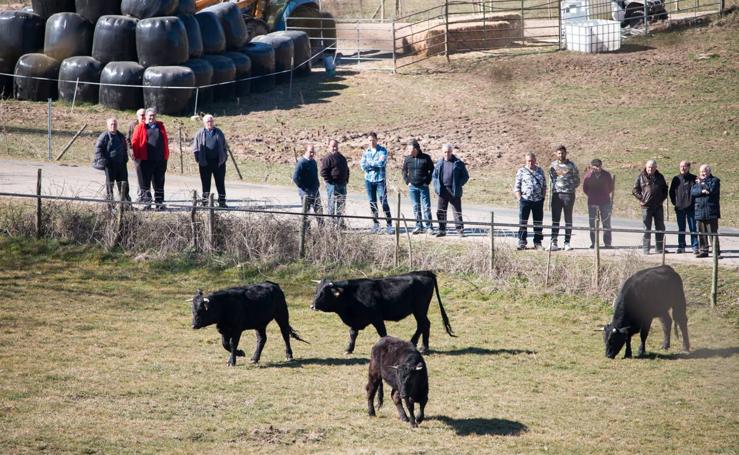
(294, 334)
(444, 317)
(380, 395)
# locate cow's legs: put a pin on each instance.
(226, 343)
(399, 404)
(380, 327)
(627, 354)
(234, 345)
(643, 334)
(683, 324)
(352, 340)
(372, 385)
(666, 326)
(421, 416)
(423, 328)
(285, 331)
(261, 341)
(409, 404)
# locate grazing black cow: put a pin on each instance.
(647, 294)
(362, 302)
(234, 310)
(402, 367)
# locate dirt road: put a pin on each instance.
(64, 180)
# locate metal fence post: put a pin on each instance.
(39, 230)
(646, 19)
(193, 224)
(74, 96)
(596, 272)
(492, 243)
(303, 227)
(395, 58)
(559, 23)
(397, 235)
(179, 135)
(211, 222)
(49, 130)
(121, 205)
(446, 29)
(714, 272)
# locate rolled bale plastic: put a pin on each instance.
(262, 57)
(144, 9)
(169, 101)
(114, 39)
(203, 71)
(84, 69)
(67, 35)
(302, 50)
(47, 8)
(20, 33)
(186, 8)
(36, 65)
(284, 54)
(92, 10)
(162, 41)
(243, 71)
(117, 96)
(224, 71)
(233, 24)
(211, 30)
(194, 37)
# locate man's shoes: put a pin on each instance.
(696, 251)
(461, 232)
(567, 247)
(537, 246)
(553, 246)
(607, 247)
(161, 207)
(680, 250)
(660, 251)
(521, 246)
(592, 247)
(645, 252)
(390, 230)
(440, 234)
(375, 229)
(702, 254)
(417, 230)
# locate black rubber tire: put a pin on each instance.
(67, 35)
(162, 41)
(87, 69)
(168, 101)
(36, 65)
(114, 39)
(122, 98)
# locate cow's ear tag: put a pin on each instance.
(419, 366)
(614, 330)
(336, 291)
(624, 330)
(205, 303)
(395, 367)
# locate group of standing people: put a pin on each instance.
(696, 200)
(147, 145)
(448, 175)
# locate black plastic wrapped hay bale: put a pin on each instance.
(92, 10)
(20, 33)
(185, 8)
(302, 51)
(47, 8)
(86, 69)
(144, 9)
(284, 54)
(115, 39)
(117, 97)
(162, 41)
(36, 65)
(67, 35)
(233, 24)
(169, 101)
(211, 30)
(203, 71)
(194, 37)
(224, 71)
(262, 57)
(243, 71)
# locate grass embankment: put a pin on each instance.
(98, 356)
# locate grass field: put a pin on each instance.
(97, 356)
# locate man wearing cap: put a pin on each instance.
(598, 187)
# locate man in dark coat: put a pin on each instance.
(650, 189)
(598, 186)
(209, 147)
(707, 194)
(682, 200)
(417, 170)
(335, 174)
(450, 175)
(305, 178)
(111, 156)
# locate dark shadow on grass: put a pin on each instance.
(703, 353)
(330, 361)
(472, 350)
(482, 427)
(628, 48)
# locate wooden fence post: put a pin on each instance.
(714, 272)
(119, 219)
(39, 227)
(549, 261)
(193, 223)
(211, 222)
(303, 227)
(397, 235)
(596, 243)
(492, 243)
(182, 163)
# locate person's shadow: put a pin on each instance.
(481, 427)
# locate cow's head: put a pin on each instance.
(328, 296)
(409, 376)
(614, 339)
(201, 315)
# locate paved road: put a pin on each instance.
(83, 181)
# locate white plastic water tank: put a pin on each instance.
(575, 11)
(593, 36)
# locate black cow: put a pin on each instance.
(362, 302)
(647, 294)
(234, 310)
(402, 367)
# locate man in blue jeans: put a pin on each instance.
(373, 164)
(681, 198)
(417, 170)
(530, 189)
(335, 173)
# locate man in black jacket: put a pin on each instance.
(650, 189)
(335, 173)
(111, 156)
(681, 198)
(417, 170)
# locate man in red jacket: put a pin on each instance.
(151, 146)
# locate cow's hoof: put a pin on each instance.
(348, 352)
(240, 353)
(665, 347)
(289, 358)
(231, 364)
(424, 350)
(414, 425)
(372, 414)
(253, 361)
